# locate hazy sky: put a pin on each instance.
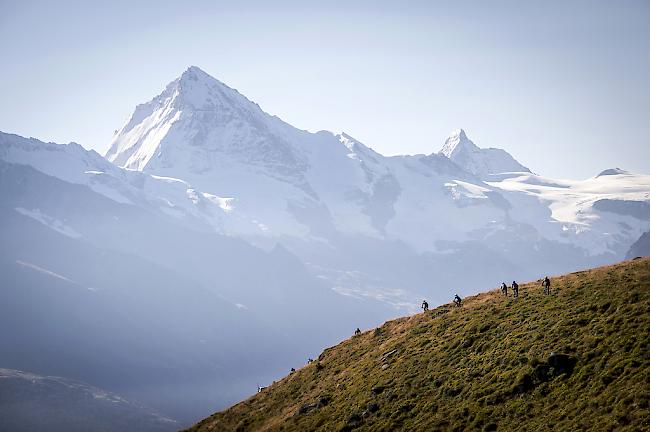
(562, 85)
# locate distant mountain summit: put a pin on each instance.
(455, 142)
(612, 171)
(202, 131)
(480, 162)
(195, 113)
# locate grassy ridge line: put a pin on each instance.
(480, 367)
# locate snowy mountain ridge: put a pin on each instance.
(74, 164)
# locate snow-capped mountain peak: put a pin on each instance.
(196, 73)
(481, 162)
(456, 142)
(201, 91)
(195, 110)
(612, 171)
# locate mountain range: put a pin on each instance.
(315, 192)
(214, 245)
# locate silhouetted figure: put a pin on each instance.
(546, 283)
(457, 300)
(259, 389)
(515, 289)
(357, 332)
(293, 370)
(504, 289)
(309, 360)
(425, 305)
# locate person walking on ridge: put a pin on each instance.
(425, 305)
(504, 289)
(546, 283)
(457, 300)
(515, 289)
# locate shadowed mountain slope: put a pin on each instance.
(641, 247)
(575, 360)
(32, 403)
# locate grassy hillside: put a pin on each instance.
(484, 366)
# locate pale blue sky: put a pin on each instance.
(562, 85)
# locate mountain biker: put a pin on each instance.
(457, 300)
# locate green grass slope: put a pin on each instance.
(484, 366)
